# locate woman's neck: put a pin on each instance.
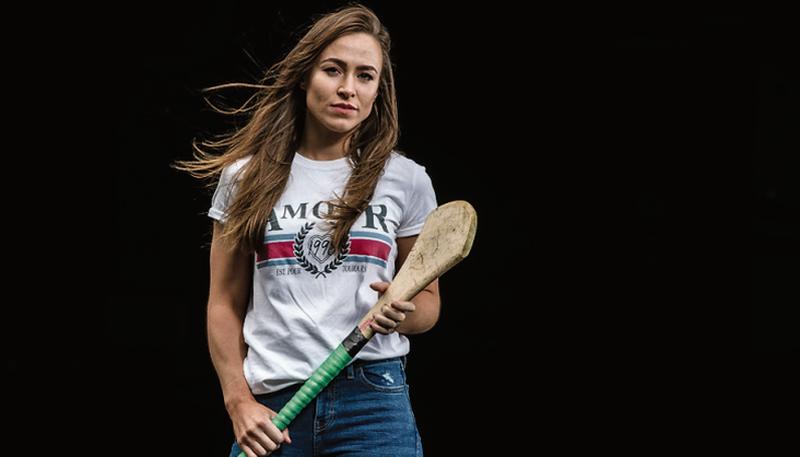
(319, 143)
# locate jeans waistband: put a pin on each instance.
(359, 362)
(349, 370)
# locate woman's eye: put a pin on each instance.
(366, 76)
(330, 71)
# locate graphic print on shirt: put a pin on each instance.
(310, 251)
(320, 249)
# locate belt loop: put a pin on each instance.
(351, 371)
(403, 362)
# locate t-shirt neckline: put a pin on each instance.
(342, 163)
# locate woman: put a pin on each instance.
(314, 212)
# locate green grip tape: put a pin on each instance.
(335, 362)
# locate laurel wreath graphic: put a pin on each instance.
(299, 254)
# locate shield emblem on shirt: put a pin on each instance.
(320, 248)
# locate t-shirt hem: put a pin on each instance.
(410, 231)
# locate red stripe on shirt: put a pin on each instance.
(369, 247)
(277, 250)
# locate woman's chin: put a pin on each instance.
(336, 125)
(341, 127)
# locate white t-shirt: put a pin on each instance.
(307, 298)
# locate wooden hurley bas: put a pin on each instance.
(445, 240)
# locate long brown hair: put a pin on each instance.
(272, 134)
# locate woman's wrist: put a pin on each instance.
(235, 393)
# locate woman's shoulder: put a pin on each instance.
(400, 163)
(230, 171)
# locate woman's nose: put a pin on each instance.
(346, 89)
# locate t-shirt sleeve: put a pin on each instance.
(223, 194)
(421, 201)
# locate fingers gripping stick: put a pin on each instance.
(445, 239)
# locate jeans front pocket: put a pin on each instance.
(383, 376)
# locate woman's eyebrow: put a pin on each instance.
(343, 64)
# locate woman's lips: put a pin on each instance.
(343, 109)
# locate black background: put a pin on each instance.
(634, 173)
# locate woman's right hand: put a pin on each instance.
(253, 428)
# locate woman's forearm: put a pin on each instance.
(228, 350)
(425, 315)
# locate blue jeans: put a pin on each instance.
(364, 411)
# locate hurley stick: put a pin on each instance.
(445, 240)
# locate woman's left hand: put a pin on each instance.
(388, 317)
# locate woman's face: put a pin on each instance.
(343, 83)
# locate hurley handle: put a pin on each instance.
(335, 362)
